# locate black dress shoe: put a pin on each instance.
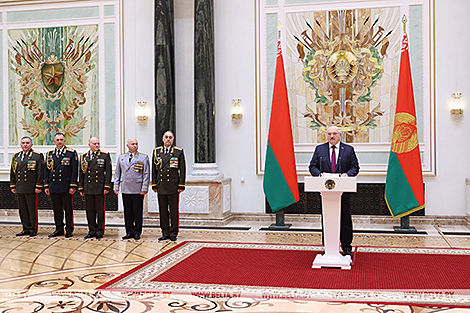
(163, 238)
(99, 236)
(23, 233)
(57, 233)
(33, 233)
(128, 236)
(89, 236)
(173, 238)
(136, 237)
(347, 251)
(68, 234)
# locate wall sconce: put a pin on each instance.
(237, 112)
(142, 113)
(457, 104)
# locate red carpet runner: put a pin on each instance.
(285, 271)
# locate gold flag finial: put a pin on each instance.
(404, 20)
(279, 27)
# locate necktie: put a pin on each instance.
(166, 150)
(93, 155)
(22, 156)
(333, 159)
(58, 153)
(130, 158)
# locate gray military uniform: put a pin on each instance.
(132, 176)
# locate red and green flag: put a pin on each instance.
(280, 176)
(404, 190)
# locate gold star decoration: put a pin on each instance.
(52, 76)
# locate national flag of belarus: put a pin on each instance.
(404, 191)
(280, 176)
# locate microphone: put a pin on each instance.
(339, 165)
(321, 161)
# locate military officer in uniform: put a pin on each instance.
(60, 182)
(94, 183)
(26, 181)
(168, 180)
(132, 178)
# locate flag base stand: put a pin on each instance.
(398, 229)
(405, 226)
(280, 221)
(275, 226)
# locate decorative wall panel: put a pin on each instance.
(62, 69)
(342, 60)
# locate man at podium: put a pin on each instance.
(335, 156)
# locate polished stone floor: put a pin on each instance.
(42, 274)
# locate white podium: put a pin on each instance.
(331, 189)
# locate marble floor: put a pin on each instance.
(42, 274)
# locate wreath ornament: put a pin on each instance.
(53, 77)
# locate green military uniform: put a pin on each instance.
(26, 175)
(168, 176)
(94, 178)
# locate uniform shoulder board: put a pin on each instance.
(105, 152)
(159, 148)
(178, 148)
(71, 150)
(36, 152)
(142, 153)
(17, 154)
(50, 151)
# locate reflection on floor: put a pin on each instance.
(42, 274)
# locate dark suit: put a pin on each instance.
(25, 177)
(347, 164)
(168, 176)
(60, 174)
(94, 179)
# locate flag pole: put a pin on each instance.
(280, 221)
(405, 220)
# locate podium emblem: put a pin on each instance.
(330, 184)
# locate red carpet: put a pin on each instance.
(285, 271)
(256, 267)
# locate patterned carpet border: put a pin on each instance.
(140, 278)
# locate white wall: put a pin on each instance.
(184, 68)
(235, 78)
(445, 193)
(138, 71)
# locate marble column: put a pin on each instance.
(204, 85)
(165, 117)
